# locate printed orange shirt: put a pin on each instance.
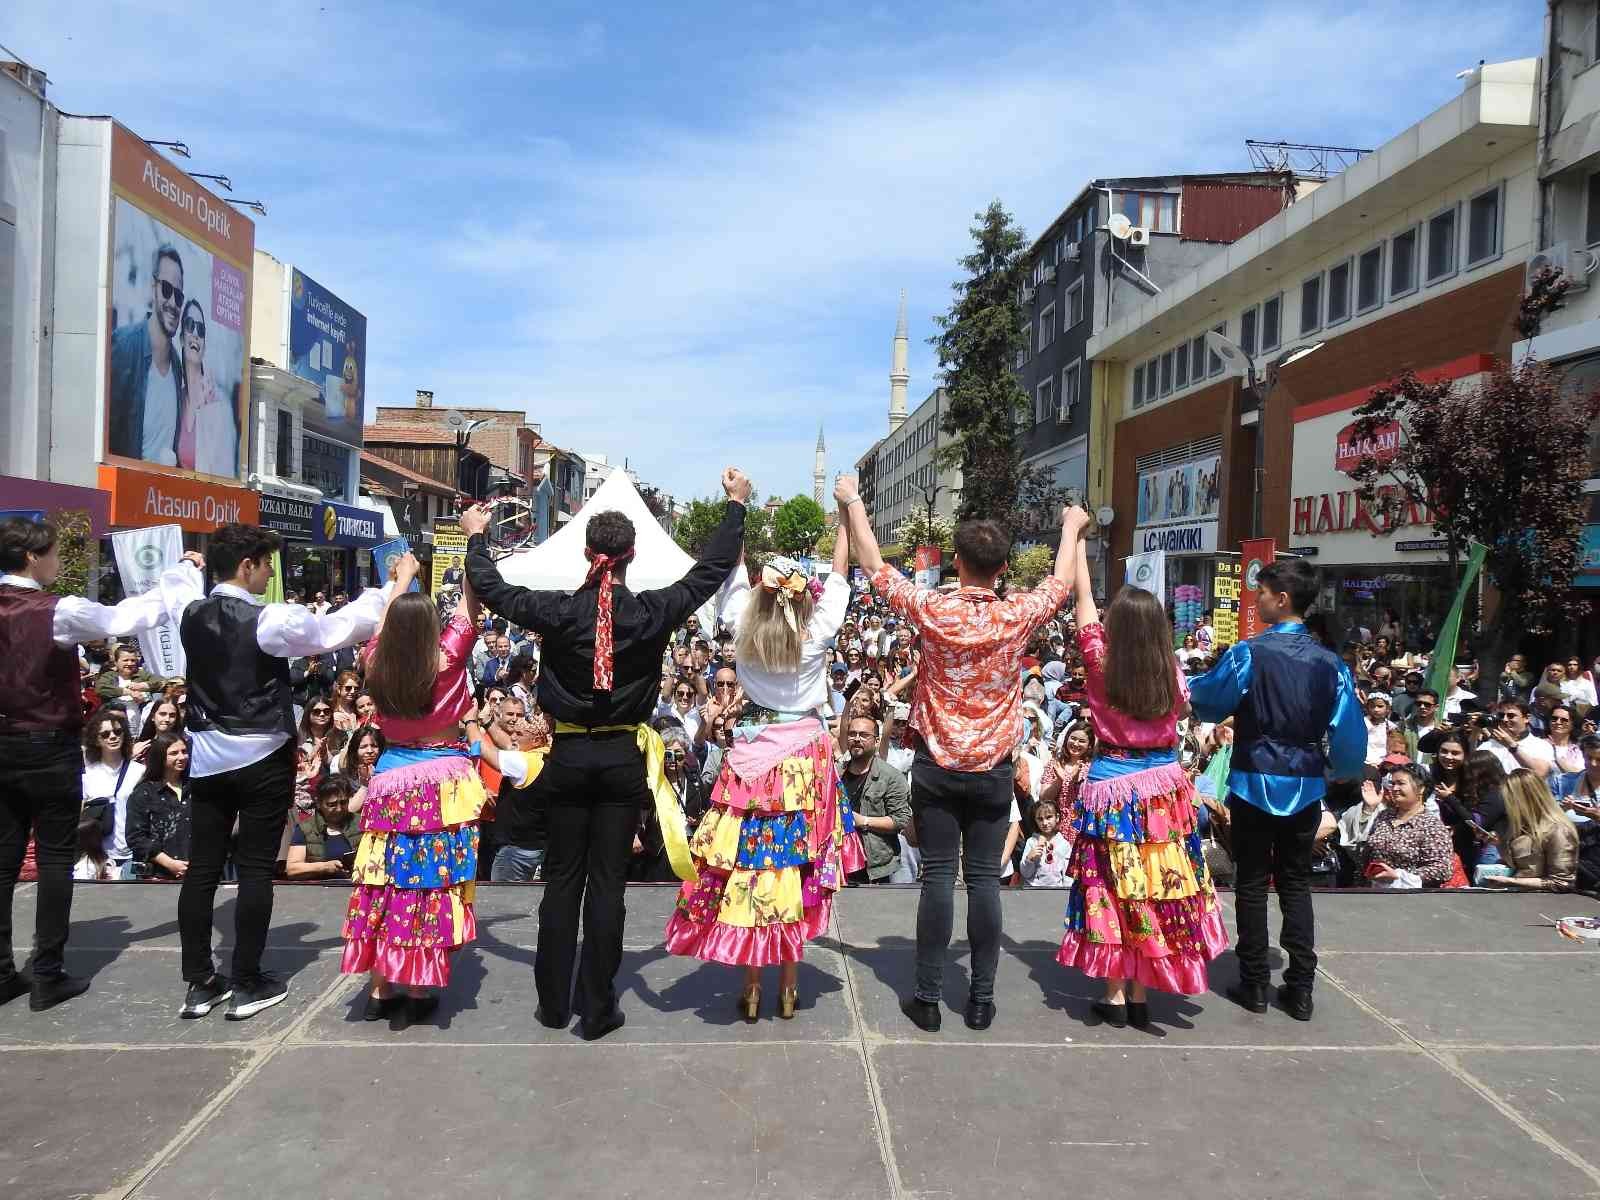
(968, 703)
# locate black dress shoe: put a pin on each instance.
(1249, 996)
(549, 1022)
(47, 993)
(1139, 1014)
(378, 1008)
(980, 1014)
(922, 1014)
(1296, 1001)
(593, 1031)
(420, 1008)
(1114, 1015)
(17, 985)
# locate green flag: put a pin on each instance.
(274, 592)
(1444, 650)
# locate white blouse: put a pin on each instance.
(804, 689)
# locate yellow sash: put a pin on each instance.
(669, 814)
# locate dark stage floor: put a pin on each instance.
(1453, 1055)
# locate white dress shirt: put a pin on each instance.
(284, 631)
(804, 689)
(78, 620)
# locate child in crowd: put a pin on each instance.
(1044, 858)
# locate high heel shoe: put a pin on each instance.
(750, 1002)
(787, 999)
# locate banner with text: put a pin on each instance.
(449, 563)
(1254, 554)
(1149, 571)
(142, 554)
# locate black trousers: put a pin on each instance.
(959, 813)
(41, 791)
(592, 789)
(259, 797)
(1279, 847)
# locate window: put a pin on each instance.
(1047, 327)
(1166, 373)
(1483, 227)
(1044, 398)
(1151, 370)
(1311, 305)
(1442, 245)
(1369, 279)
(1074, 312)
(1197, 359)
(1339, 293)
(1069, 390)
(1592, 223)
(1138, 385)
(285, 460)
(1403, 262)
(1214, 361)
(1180, 366)
(1272, 323)
(1157, 211)
(1027, 341)
(1247, 331)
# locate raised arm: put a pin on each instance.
(841, 544)
(1073, 565)
(294, 631)
(708, 574)
(519, 605)
(854, 525)
(78, 620)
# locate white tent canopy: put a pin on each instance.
(558, 563)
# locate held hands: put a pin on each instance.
(846, 490)
(195, 558)
(736, 484)
(1074, 520)
(475, 520)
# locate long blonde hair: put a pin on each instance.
(765, 636)
(1530, 808)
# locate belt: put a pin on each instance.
(669, 814)
(1107, 750)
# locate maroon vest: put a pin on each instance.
(39, 685)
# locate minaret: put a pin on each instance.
(898, 375)
(819, 472)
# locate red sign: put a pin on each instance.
(140, 499)
(1381, 445)
(1345, 512)
(1254, 555)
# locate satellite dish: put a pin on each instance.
(1234, 360)
(455, 420)
(1119, 227)
(1105, 514)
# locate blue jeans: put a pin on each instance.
(513, 864)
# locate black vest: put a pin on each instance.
(233, 686)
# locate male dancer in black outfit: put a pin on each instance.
(600, 679)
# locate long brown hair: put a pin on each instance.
(1140, 670)
(405, 661)
(764, 635)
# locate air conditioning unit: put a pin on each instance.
(1028, 293)
(1558, 257)
(1073, 252)
(1139, 235)
(1050, 274)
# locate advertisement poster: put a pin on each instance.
(328, 347)
(384, 556)
(178, 375)
(1225, 601)
(449, 561)
(1255, 555)
(1188, 492)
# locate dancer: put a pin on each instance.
(1142, 911)
(1286, 692)
(778, 841)
(601, 673)
(41, 765)
(242, 750)
(967, 718)
(411, 907)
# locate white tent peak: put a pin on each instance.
(558, 563)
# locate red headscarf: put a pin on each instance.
(600, 568)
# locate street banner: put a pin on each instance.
(928, 560)
(1149, 571)
(1254, 554)
(1444, 650)
(142, 554)
(449, 565)
(1226, 601)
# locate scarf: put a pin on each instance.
(600, 568)
(788, 579)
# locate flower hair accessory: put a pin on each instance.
(787, 579)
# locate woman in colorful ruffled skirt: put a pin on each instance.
(777, 841)
(411, 907)
(1142, 912)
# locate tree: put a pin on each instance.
(979, 343)
(797, 525)
(825, 543)
(1031, 565)
(916, 530)
(700, 519)
(1503, 465)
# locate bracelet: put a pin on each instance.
(852, 500)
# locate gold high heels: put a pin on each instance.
(750, 1001)
(787, 999)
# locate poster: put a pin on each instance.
(1188, 492)
(449, 562)
(328, 348)
(384, 555)
(142, 555)
(177, 363)
(1225, 601)
(1255, 554)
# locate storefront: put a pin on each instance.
(322, 544)
(1179, 505)
(143, 499)
(80, 517)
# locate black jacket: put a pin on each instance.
(643, 623)
(158, 822)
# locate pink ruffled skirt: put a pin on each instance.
(775, 846)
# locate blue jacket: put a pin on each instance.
(130, 374)
(1286, 692)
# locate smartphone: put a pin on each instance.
(348, 860)
(1373, 868)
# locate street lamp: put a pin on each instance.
(930, 492)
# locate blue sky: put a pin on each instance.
(676, 234)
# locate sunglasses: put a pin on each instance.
(195, 326)
(106, 735)
(726, 684)
(1561, 720)
(673, 756)
(1427, 704)
(322, 712)
(685, 695)
(171, 291)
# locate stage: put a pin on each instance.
(1452, 1055)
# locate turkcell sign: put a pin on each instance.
(323, 523)
(1192, 537)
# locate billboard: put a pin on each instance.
(1189, 492)
(328, 347)
(178, 361)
